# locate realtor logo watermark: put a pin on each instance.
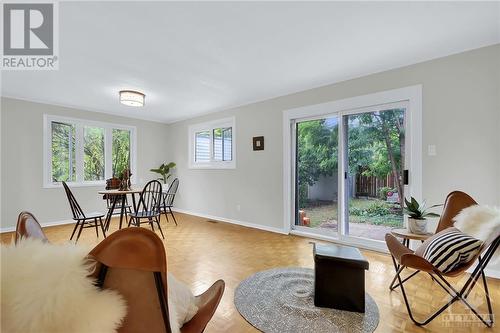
(30, 37)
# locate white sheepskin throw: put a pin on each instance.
(45, 289)
(182, 303)
(480, 222)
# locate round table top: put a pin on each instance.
(405, 233)
(116, 191)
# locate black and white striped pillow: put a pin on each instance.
(450, 249)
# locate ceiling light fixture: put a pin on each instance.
(132, 98)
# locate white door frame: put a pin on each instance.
(412, 95)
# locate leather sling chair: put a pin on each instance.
(408, 259)
(133, 262)
(454, 203)
(28, 227)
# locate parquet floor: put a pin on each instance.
(200, 252)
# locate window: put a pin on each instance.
(85, 152)
(211, 145)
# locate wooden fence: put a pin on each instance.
(369, 186)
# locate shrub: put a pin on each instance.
(378, 208)
(383, 192)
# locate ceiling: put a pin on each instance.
(195, 58)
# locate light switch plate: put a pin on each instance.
(431, 150)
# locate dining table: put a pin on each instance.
(119, 196)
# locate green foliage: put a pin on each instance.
(384, 190)
(63, 152)
(93, 153)
(374, 139)
(121, 151)
(376, 208)
(317, 153)
(164, 171)
(418, 211)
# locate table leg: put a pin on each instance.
(122, 210)
(110, 212)
(133, 203)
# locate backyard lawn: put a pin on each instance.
(368, 211)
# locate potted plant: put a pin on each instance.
(417, 213)
(164, 171)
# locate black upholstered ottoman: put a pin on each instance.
(339, 280)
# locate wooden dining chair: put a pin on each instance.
(133, 262)
(28, 227)
(148, 207)
(168, 200)
(91, 220)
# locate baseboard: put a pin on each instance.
(492, 273)
(46, 224)
(232, 221)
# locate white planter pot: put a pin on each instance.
(417, 226)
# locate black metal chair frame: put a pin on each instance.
(454, 293)
(394, 285)
(148, 206)
(80, 218)
(168, 200)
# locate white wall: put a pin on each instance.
(22, 161)
(461, 116)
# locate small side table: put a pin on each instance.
(406, 235)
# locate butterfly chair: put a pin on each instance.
(133, 262)
(407, 258)
(83, 220)
(148, 206)
(454, 203)
(28, 227)
(168, 200)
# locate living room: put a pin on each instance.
(296, 164)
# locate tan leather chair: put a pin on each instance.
(28, 227)
(133, 262)
(407, 258)
(455, 202)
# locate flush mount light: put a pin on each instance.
(132, 98)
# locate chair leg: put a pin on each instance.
(166, 213)
(151, 224)
(172, 213)
(80, 231)
(455, 296)
(102, 227)
(96, 227)
(161, 231)
(74, 229)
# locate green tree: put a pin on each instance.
(376, 142)
(121, 151)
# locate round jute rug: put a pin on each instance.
(282, 300)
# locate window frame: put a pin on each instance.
(79, 155)
(210, 126)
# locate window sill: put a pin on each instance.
(215, 166)
(80, 184)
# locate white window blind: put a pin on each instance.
(212, 144)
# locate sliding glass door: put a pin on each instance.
(350, 172)
(317, 189)
(374, 172)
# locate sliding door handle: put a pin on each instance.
(406, 177)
